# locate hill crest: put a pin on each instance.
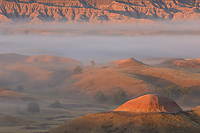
(130, 62)
(12, 58)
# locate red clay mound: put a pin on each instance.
(131, 62)
(150, 103)
(188, 63)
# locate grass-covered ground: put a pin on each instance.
(126, 122)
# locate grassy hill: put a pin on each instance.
(126, 122)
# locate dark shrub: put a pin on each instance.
(33, 107)
(20, 88)
(100, 97)
(175, 92)
(77, 69)
(183, 94)
(119, 97)
(171, 91)
(56, 104)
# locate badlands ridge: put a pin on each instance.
(95, 11)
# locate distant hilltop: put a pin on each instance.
(98, 11)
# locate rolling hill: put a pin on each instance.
(134, 77)
(40, 70)
(51, 73)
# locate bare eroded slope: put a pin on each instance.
(38, 11)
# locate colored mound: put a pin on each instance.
(188, 63)
(150, 103)
(92, 63)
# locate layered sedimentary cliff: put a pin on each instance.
(38, 11)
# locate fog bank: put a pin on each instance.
(102, 48)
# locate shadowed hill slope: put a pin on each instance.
(38, 11)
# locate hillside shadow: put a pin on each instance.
(159, 82)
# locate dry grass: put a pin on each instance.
(10, 120)
(14, 117)
(130, 122)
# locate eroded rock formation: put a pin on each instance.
(39, 11)
(92, 63)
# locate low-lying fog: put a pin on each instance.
(85, 42)
(102, 48)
